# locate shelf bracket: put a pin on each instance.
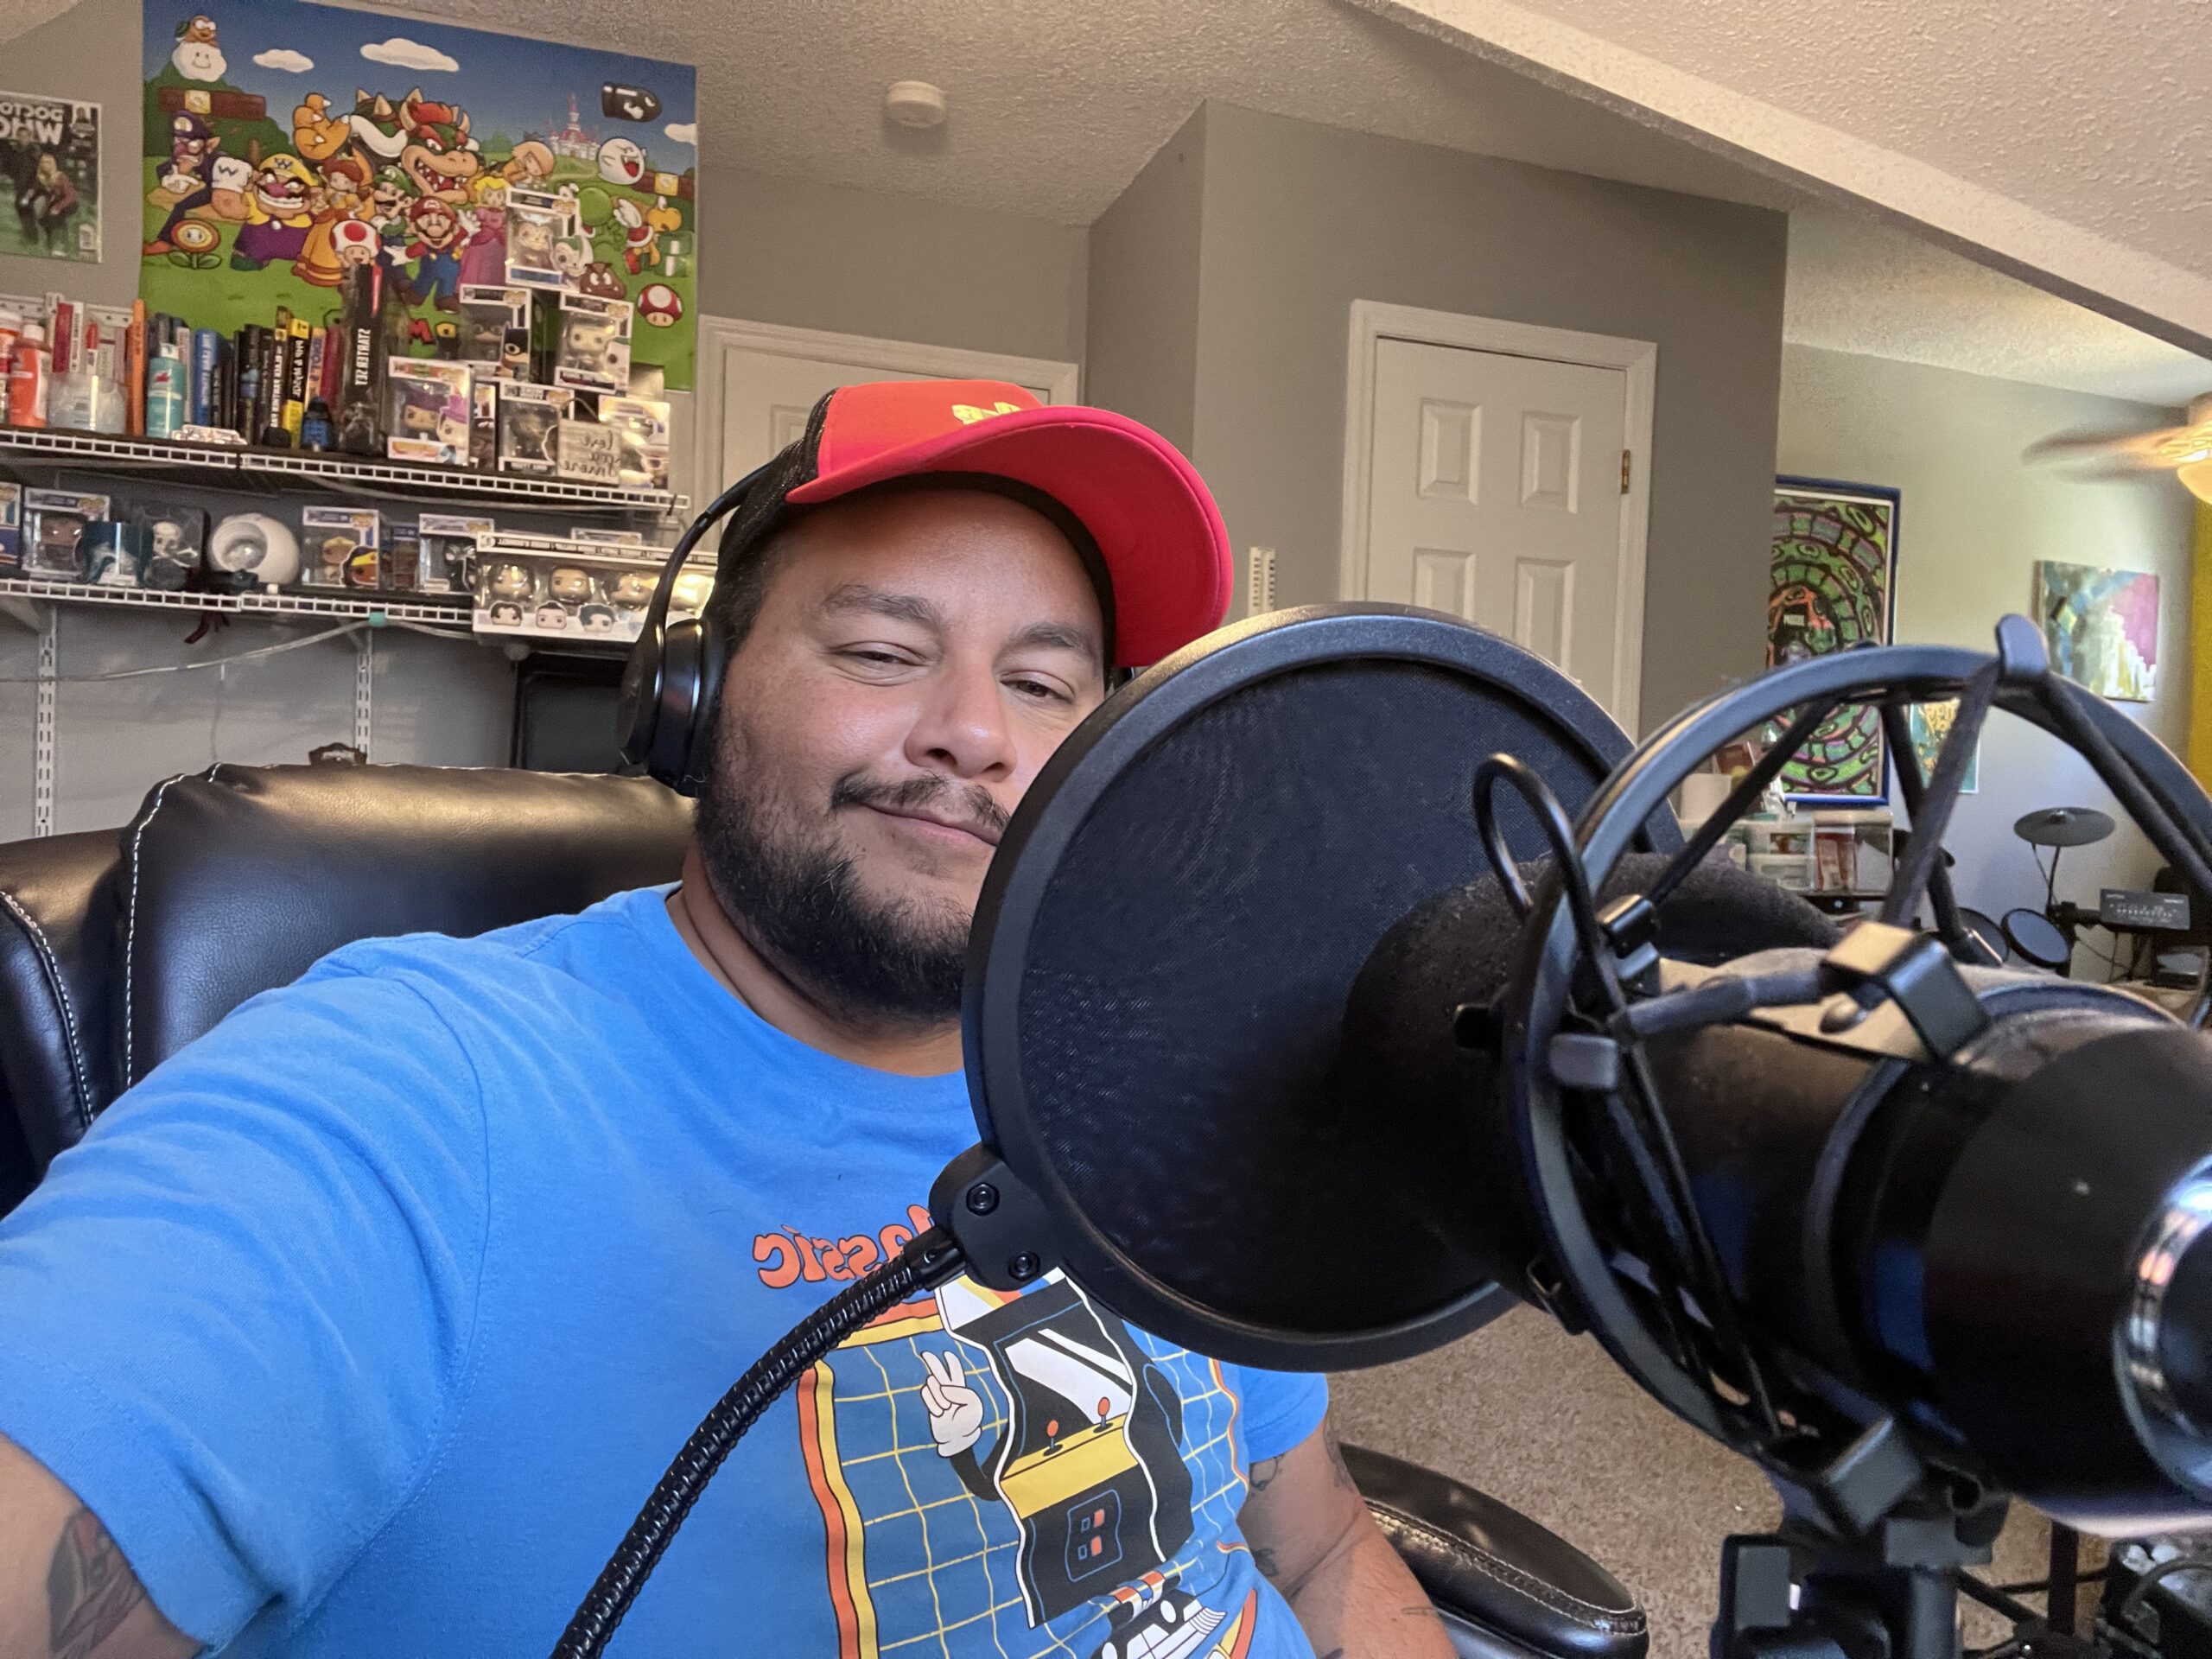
(365, 683)
(42, 745)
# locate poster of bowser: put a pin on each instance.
(285, 139)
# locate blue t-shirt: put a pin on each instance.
(366, 1323)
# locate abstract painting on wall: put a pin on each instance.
(2101, 627)
(1831, 582)
(1931, 724)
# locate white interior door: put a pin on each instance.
(1495, 489)
(758, 384)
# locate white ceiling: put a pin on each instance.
(2069, 143)
(1859, 285)
(2100, 115)
(1057, 103)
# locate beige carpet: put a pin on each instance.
(1547, 1423)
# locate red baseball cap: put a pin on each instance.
(1157, 531)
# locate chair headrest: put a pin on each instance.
(237, 880)
(57, 927)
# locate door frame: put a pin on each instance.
(718, 334)
(1372, 321)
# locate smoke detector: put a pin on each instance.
(915, 103)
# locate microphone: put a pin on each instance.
(1420, 1028)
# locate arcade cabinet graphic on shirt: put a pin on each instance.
(1030, 1454)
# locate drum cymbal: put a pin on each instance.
(2064, 826)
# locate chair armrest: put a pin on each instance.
(1522, 1588)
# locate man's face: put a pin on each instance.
(917, 657)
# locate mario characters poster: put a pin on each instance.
(285, 140)
(51, 149)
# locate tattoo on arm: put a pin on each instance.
(1337, 1457)
(90, 1588)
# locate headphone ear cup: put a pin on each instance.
(682, 741)
(710, 656)
(638, 704)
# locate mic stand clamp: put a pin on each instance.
(1001, 1225)
(1807, 1591)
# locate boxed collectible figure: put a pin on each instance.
(430, 404)
(530, 422)
(495, 329)
(591, 350)
(483, 420)
(54, 527)
(341, 547)
(641, 426)
(448, 556)
(11, 529)
(589, 453)
(594, 589)
(114, 551)
(176, 536)
(403, 558)
(507, 594)
(545, 247)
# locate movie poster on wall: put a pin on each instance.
(51, 149)
(1830, 585)
(270, 124)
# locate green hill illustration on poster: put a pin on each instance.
(284, 138)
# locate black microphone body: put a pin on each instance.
(1986, 1245)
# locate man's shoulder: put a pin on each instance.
(587, 944)
(510, 981)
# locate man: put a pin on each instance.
(363, 1325)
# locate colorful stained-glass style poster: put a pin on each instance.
(284, 138)
(1931, 724)
(50, 148)
(2101, 627)
(1831, 577)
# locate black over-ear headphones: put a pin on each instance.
(673, 679)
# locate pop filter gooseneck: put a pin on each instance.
(1160, 968)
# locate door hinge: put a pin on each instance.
(1625, 471)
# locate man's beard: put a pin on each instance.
(797, 897)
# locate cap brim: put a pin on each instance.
(1165, 547)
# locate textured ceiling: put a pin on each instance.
(2099, 114)
(1859, 285)
(2063, 143)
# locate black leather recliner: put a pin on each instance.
(118, 947)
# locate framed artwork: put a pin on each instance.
(50, 150)
(284, 140)
(1931, 729)
(1831, 584)
(2101, 627)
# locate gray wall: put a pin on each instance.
(1301, 219)
(90, 51)
(1975, 521)
(1143, 348)
(816, 256)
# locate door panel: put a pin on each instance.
(1494, 495)
(763, 396)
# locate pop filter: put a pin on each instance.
(1162, 957)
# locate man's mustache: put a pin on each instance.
(970, 805)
